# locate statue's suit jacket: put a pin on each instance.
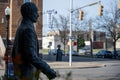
(25, 53)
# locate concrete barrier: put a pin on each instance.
(2, 52)
(2, 47)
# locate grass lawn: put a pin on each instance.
(45, 51)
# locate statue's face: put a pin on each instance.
(33, 17)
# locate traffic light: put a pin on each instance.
(81, 15)
(74, 43)
(100, 10)
(119, 4)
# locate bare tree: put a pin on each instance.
(61, 24)
(110, 22)
(79, 26)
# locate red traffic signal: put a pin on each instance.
(74, 43)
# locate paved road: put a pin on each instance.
(109, 71)
(103, 73)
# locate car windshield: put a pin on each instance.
(85, 48)
(108, 52)
(102, 52)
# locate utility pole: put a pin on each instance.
(50, 16)
(91, 37)
(105, 39)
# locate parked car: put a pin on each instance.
(74, 53)
(104, 54)
(117, 54)
(54, 52)
(84, 50)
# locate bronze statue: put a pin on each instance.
(25, 53)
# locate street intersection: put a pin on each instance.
(83, 68)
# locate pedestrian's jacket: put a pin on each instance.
(59, 55)
(25, 54)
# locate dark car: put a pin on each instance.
(117, 54)
(104, 54)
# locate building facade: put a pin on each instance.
(51, 42)
(3, 4)
(15, 17)
(98, 39)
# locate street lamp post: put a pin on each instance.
(50, 16)
(7, 14)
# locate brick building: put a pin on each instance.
(15, 17)
(3, 4)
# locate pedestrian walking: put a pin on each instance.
(59, 53)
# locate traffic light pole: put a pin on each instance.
(98, 2)
(70, 36)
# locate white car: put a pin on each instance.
(74, 53)
(84, 51)
(54, 52)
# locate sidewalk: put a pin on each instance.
(77, 62)
(75, 65)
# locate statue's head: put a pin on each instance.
(29, 11)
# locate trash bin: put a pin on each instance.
(10, 70)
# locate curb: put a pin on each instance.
(75, 65)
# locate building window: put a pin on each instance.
(4, 1)
(2, 20)
(27, 1)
